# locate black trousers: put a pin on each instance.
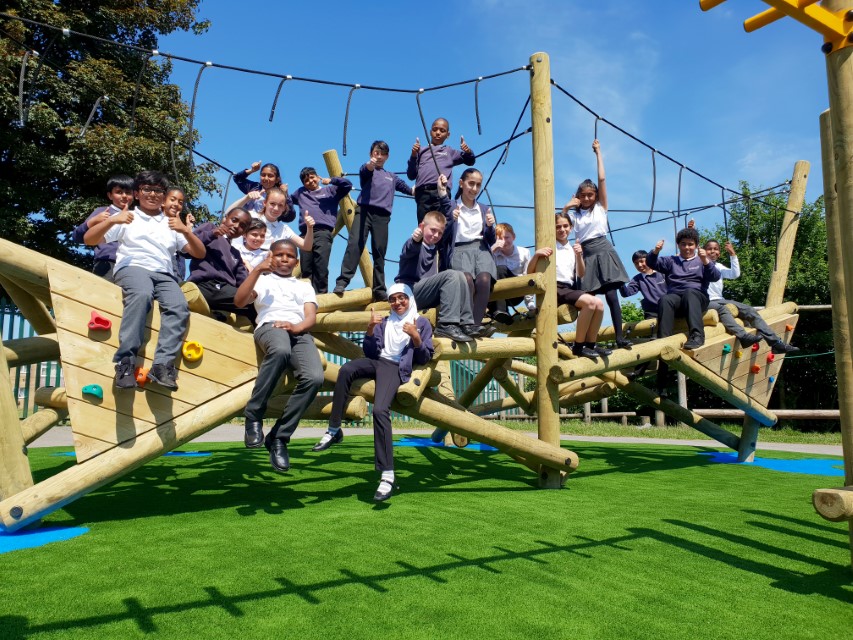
(504, 305)
(426, 199)
(315, 263)
(375, 222)
(691, 304)
(220, 297)
(387, 376)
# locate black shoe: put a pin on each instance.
(624, 344)
(696, 340)
(254, 436)
(582, 351)
(638, 371)
(781, 347)
(749, 339)
(125, 374)
(479, 330)
(325, 444)
(384, 491)
(339, 289)
(502, 317)
(452, 331)
(602, 351)
(279, 459)
(165, 375)
(380, 296)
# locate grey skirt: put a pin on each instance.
(603, 266)
(474, 258)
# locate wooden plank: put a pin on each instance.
(15, 474)
(776, 317)
(106, 425)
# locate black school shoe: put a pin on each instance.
(384, 491)
(254, 436)
(479, 330)
(165, 375)
(335, 439)
(279, 458)
(125, 374)
(452, 331)
(696, 340)
(749, 339)
(782, 347)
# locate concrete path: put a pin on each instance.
(62, 437)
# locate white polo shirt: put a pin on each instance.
(147, 242)
(565, 256)
(590, 223)
(282, 299)
(516, 261)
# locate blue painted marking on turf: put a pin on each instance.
(37, 537)
(427, 442)
(809, 466)
(177, 454)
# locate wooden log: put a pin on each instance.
(485, 348)
(33, 309)
(835, 505)
(788, 233)
(354, 320)
(352, 299)
(27, 268)
(673, 409)
(319, 409)
(38, 423)
(566, 391)
(523, 368)
(335, 344)
(720, 386)
(518, 286)
(647, 328)
(509, 385)
(346, 215)
(15, 475)
(590, 394)
(54, 397)
(782, 414)
(35, 502)
(23, 351)
(423, 377)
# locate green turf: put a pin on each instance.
(645, 542)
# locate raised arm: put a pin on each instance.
(602, 184)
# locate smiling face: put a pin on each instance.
(150, 198)
(120, 197)
(433, 231)
(470, 185)
(713, 249)
(563, 228)
(686, 248)
(174, 203)
(311, 182)
(284, 260)
(587, 196)
(235, 223)
(255, 238)
(269, 177)
(640, 263)
(399, 303)
(379, 157)
(440, 131)
(274, 206)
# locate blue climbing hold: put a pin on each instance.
(94, 390)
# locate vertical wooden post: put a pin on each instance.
(788, 234)
(346, 215)
(15, 472)
(587, 412)
(682, 389)
(604, 407)
(840, 325)
(547, 402)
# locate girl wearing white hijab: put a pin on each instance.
(393, 345)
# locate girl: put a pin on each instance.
(570, 267)
(274, 207)
(256, 191)
(251, 244)
(470, 252)
(392, 346)
(605, 272)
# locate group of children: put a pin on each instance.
(247, 264)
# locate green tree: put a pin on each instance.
(631, 312)
(51, 177)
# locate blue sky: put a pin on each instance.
(733, 106)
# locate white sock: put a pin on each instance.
(387, 476)
(326, 438)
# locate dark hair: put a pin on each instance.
(639, 255)
(464, 175)
(257, 223)
(270, 165)
(280, 243)
(120, 181)
(687, 234)
(381, 145)
(707, 242)
(445, 120)
(241, 210)
(566, 216)
(174, 188)
(153, 178)
(307, 171)
(587, 184)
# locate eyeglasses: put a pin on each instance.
(151, 191)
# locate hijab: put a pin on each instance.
(395, 338)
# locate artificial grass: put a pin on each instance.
(645, 541)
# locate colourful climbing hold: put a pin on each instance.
(755, 347)
(738, 353)
(93, 390)
(192, 351)
(727, 348)
(141, 376)
(755, 368)
(770, 357)
(97, 322)
(789, 327)
(771, 379)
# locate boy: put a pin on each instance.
(287, 309)
(651, 283)
(221, 270)
(120, 195)
(320, 203)
(422, 166)
(251, 245)
(433, 286)
(147, 241)
(747, 314)
(511, 260)
(372, 216)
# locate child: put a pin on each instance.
(173, 207)
(372, 216)
(147, 241)
(424, 267)
(422, 166)
(747, 314)
(392, 346)
(604, 270)
(256, 192)
(321, 203)
(120, 195)
(287, 309)
(469, 252)
(649, 282)
(221, 270)
(510, 260)
(251, 245)
(570, 270)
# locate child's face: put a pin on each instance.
(399, 303)
(433, 231)
(563, 228)
(640, 263)
(269, 178)
(312, 182)
(588, 197)
(150, 197)
(174, 204)
(284, 260)
(509, 240)
(379, 157)
(713, 249)
(235, 224)
(687, 248)
(120, 197)
(275, 205)
(255, 238)
(439, 132)
(470, 185)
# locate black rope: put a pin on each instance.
(136, 90)
(505, 152)
(595, 129)
(21, 80)
(748, 217)
(277, 93)
(174, 165)
(506, 142)
(35, 78)
(92, 114)
(654, 184)
(346, 115)
(725, 215)
(192, 109)
(225, 196)
(426, 133)
(477, 105)
(680, 169)
(491, 206)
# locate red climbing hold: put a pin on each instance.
(99, 322)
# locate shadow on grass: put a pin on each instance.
(628, 458)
